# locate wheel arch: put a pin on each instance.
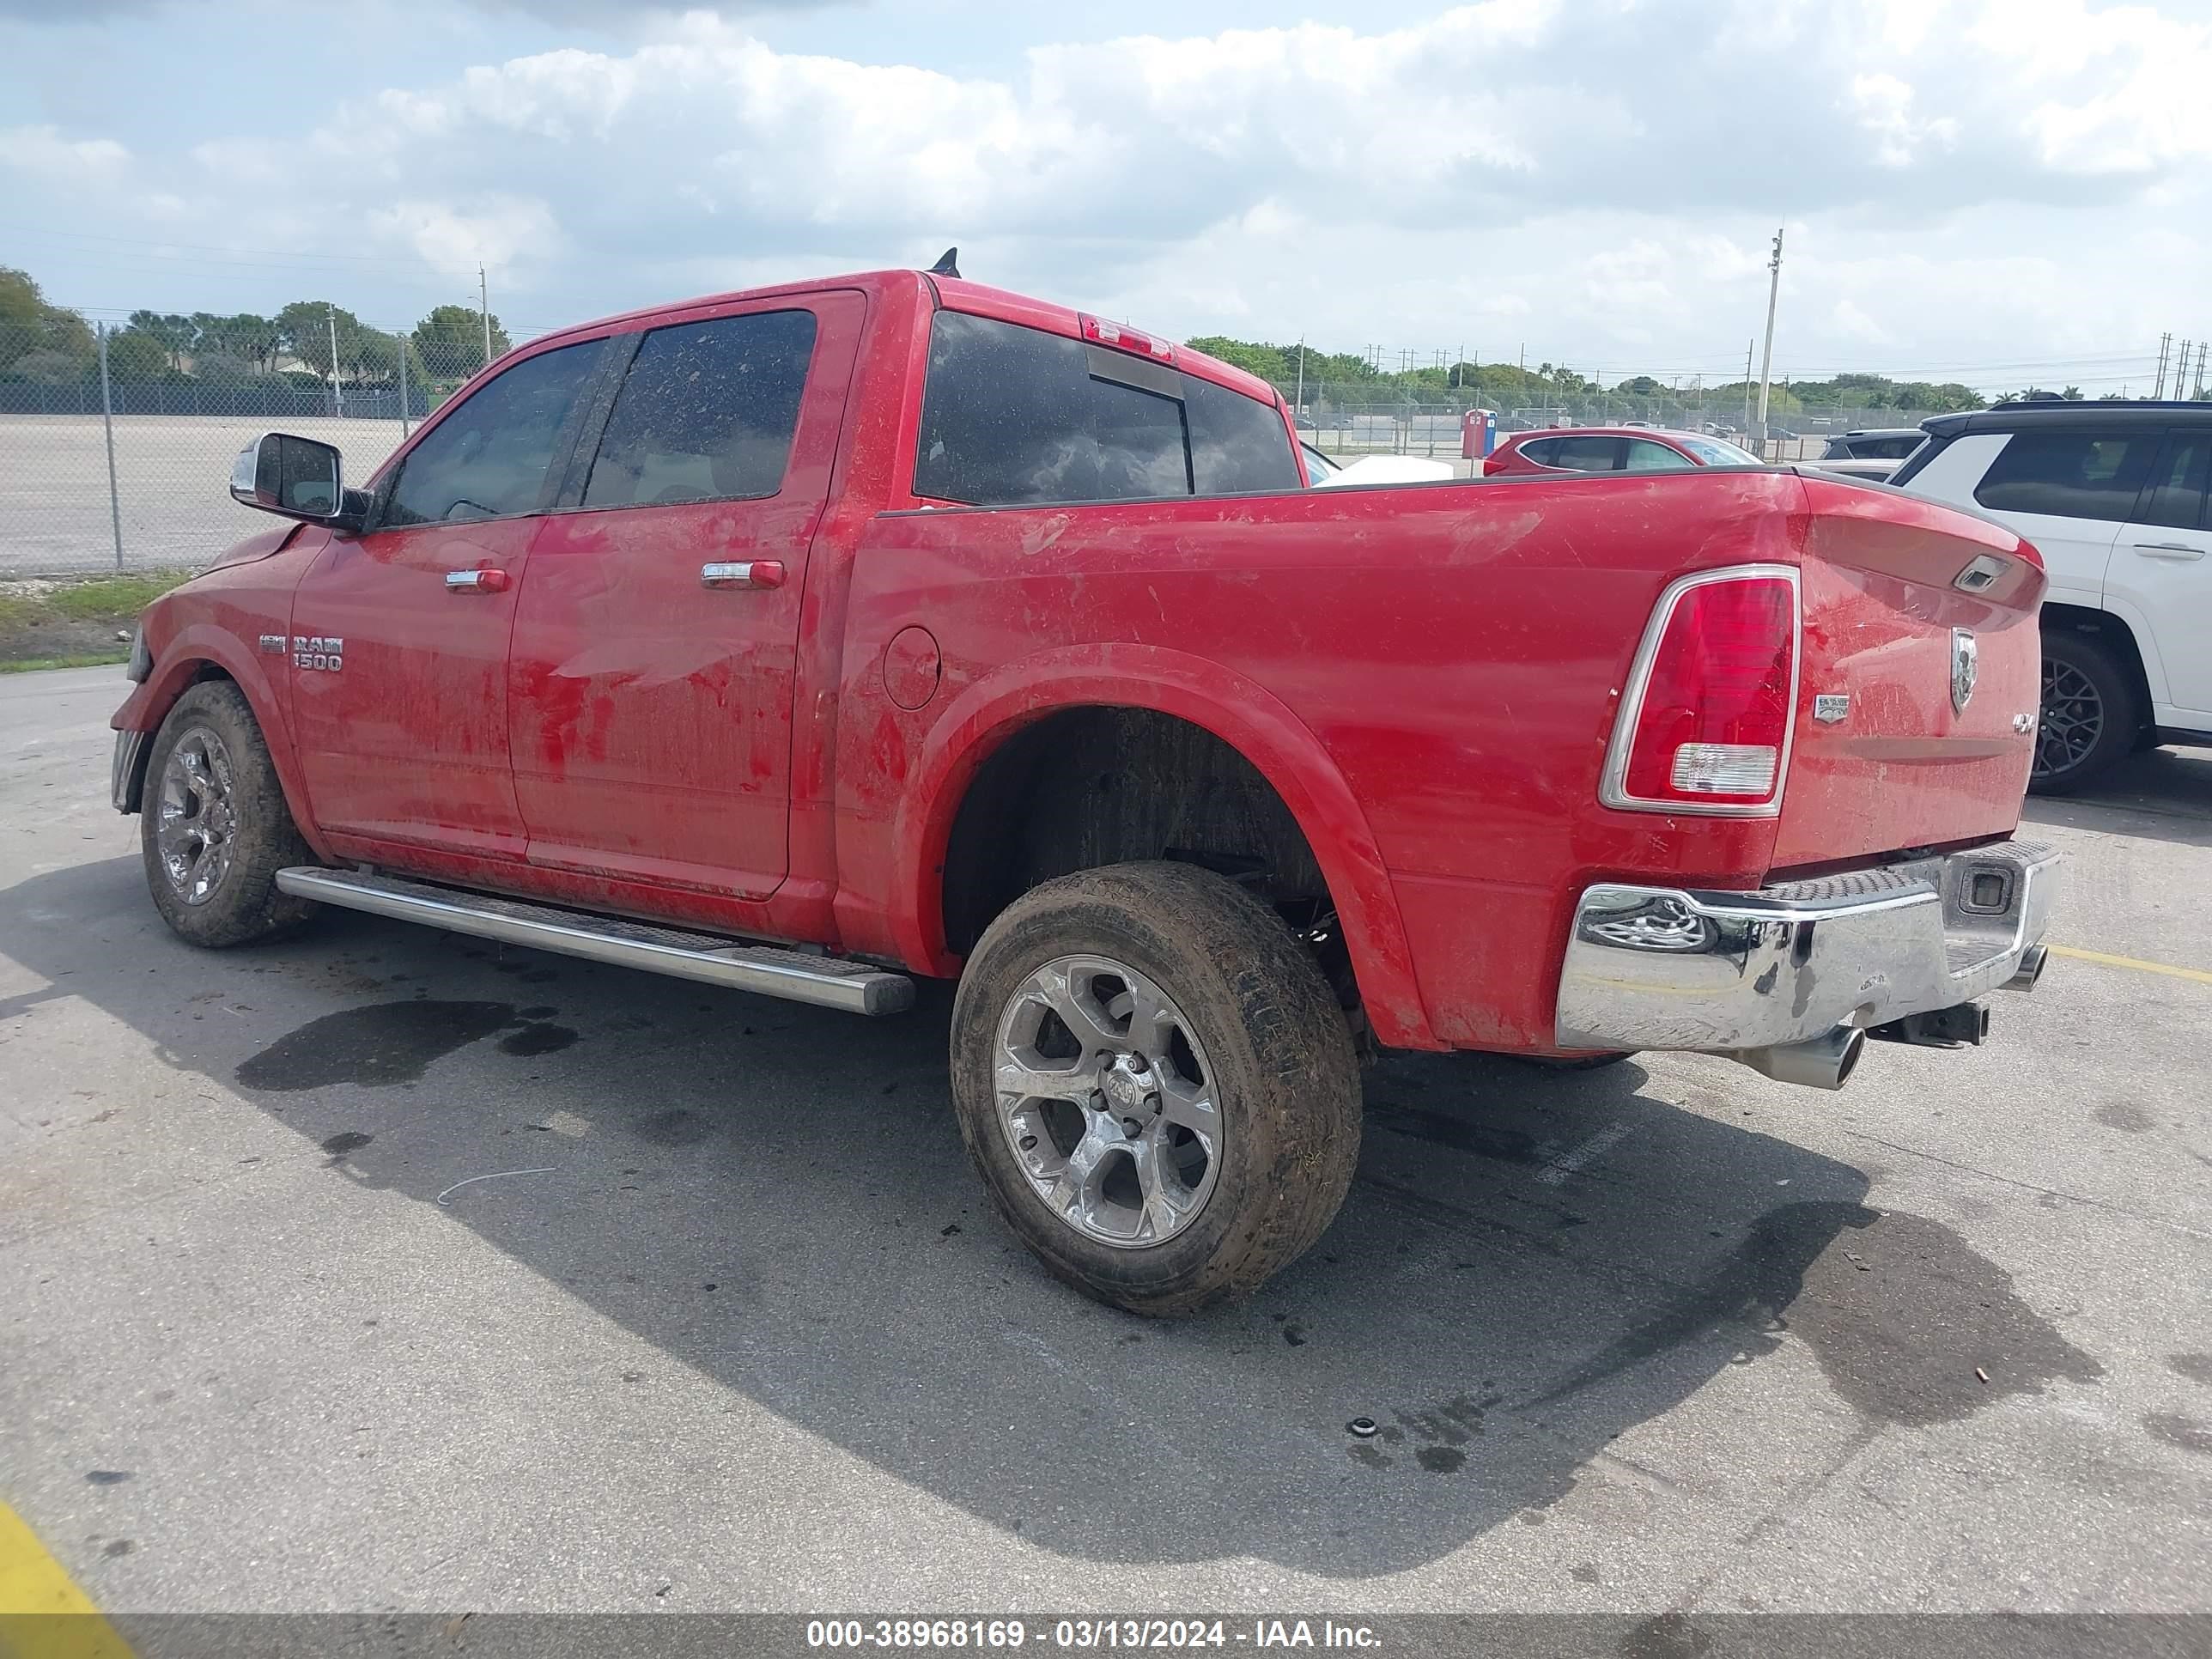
(197, 654)
(1253, 724)
(2113, 632)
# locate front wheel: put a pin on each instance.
(1156, 1083)
(215, 828)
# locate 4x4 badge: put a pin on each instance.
(1966, 666)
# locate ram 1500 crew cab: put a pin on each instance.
(810, 640)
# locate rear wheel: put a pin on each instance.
(1156, 1083)
(215, 829)
(2090, 716)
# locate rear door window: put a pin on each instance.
(706, 412)
(2178, 483)
(1644, 456)
(488, 458)
(1582, 454)
(2074, 474)
(1015, 417)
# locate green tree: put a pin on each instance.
(450, 340)
(31, 328)
(304, 327)
(137, 355)
(175, 335)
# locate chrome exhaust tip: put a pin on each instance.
(2030, 969)
(1825, 1062)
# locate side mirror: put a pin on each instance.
(293, 477)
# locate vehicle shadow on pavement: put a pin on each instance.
(1530, 1263)
(2162, 794)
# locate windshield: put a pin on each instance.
(1718, 451)
(1318, 466)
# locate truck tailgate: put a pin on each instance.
(1934, 743)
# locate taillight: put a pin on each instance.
(1099, 331)
(1706, 722)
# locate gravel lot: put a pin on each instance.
(1665, 1337)
(173, 477)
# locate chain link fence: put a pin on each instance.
(116, 444)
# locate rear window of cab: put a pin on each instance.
(1014, 417)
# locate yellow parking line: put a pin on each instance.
(2136, 962)
(43, 1615)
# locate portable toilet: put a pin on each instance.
(1478, 434)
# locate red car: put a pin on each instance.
(1611, 449)
(809, 641)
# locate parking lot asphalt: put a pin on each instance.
(384, 1269)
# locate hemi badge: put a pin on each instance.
(1829, 706)
(273, 644)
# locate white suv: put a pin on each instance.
(2115, 498)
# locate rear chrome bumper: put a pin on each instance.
(1663, 968)
(124, 784)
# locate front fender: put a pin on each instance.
(1245, 716)
(184, 659)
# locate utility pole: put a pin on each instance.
(2158, 388)
(107, 423)
(1766, 363)
(338, 391)
(1298, 407)
(483, 310)
(1747, 346)
(400, 340)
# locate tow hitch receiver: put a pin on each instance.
(1961, 1023)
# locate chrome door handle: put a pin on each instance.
(2181, 552)
(476, 582)
(748, 573)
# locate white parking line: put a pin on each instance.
(1568, 1162)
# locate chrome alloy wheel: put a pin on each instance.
(2072, 719)
(1106, 1098)
(199, 816)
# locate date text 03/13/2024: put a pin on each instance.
(1087, 1635)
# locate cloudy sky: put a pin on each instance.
(1991, 191)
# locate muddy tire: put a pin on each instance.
(213, 827)
(1156, 1083)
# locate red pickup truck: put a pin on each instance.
(808, 639)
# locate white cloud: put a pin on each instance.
(1967, 180)
(500, 231)
(43, 153)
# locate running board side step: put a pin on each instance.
(826, 981)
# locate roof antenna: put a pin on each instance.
(947, 264)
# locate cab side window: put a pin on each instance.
(707, 412)
(1015, 417)
(488, 458)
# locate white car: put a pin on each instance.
(1325, 471)
(2114, 495)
